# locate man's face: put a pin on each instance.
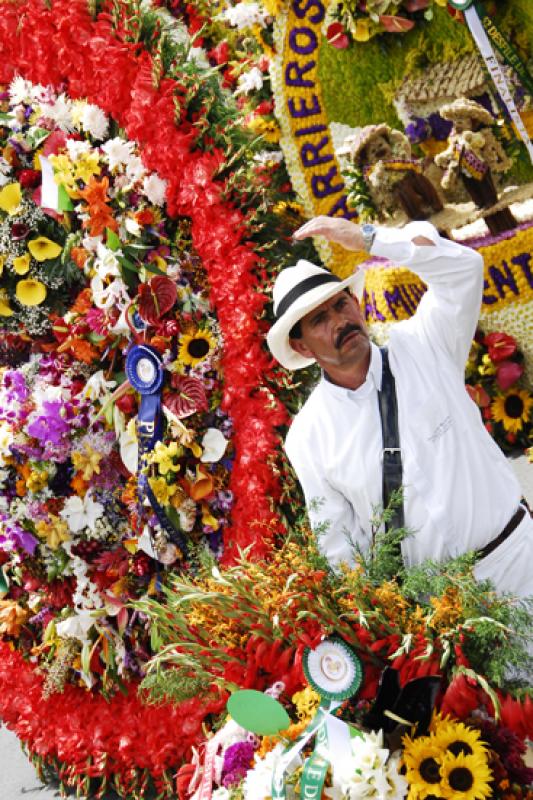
(334, 333)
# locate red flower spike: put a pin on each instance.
(189, 398)
(156, 298)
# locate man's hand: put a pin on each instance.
(343, 232)
(334, 229)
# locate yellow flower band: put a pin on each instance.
(306, 139)
(393, 294)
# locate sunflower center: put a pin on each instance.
(198, 348)
(429, 770)
(514, 406)
(460, 779)
(459, 747)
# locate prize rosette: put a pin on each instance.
(333, 670)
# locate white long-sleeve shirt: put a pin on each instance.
(459, 490)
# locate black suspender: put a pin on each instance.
(392, 454)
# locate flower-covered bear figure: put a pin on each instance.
(392, 176)
(473, 155)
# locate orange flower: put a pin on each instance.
(79, 485)
(100, 214)
(83, 302)
(80, 349)
(79, 255)
(12, 617)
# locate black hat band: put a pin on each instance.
(301, 289)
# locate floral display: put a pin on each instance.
(146, 508)
(495, 382)
(438, 710)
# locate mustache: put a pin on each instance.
(349, 328)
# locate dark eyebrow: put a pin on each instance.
(317, 317)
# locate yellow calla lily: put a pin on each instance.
(11, 198)
(5, 308)
(362, 30)
(30, 292)
(21, 264)
(2, 262)
(42, 248)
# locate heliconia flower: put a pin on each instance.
(43, 249)
(21, 264)
(30, 292)
(10, 198)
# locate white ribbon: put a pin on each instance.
(500, 81)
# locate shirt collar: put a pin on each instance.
(372, 381)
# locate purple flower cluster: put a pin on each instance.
(238, 759)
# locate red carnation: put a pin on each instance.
(29, 177)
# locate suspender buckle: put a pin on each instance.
(390, 450)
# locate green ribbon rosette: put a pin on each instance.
(335, 673)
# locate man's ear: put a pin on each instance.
(301, 348)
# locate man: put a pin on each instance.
(460, 493)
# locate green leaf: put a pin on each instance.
(63, 200)
(112, 240)
(173, 517)
(149, 267)
(85, 658)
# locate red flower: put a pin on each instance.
(337, 37)
(478, 395)
(29, 177)
(501, 346)
(507, 373)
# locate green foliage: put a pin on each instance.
(352, 80)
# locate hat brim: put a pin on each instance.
(278, 335)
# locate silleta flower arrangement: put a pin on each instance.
(390, 683)
(89, 512)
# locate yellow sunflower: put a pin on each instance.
(422, 759)
(196, 346)
(465, 777)
(512, 409)
(456, 738)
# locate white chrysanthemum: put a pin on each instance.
(94, 121)
(118, 151)
(75, 148)
(5, 172)
(135, 169)
(245, 15)
(258, 781)
(20, 90)
(60, 112)
(251, 81)
(81, 512)
(154, 188)
(42, 94)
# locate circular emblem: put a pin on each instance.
(333, 669)
(461, 5)
(144, 369)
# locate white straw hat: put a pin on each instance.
(297, 291)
